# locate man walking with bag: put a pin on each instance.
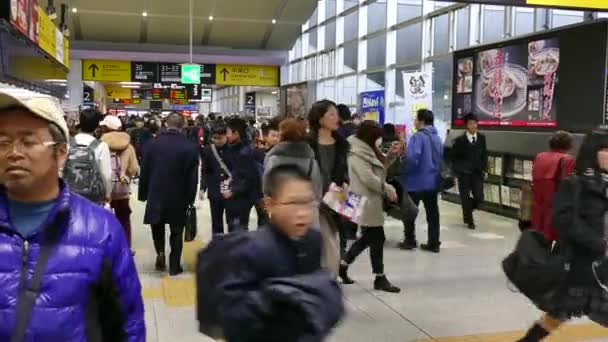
(215, 177)
(66, 271)
(168, 183)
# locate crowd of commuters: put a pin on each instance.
(65, 242)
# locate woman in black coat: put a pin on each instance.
(579, 214)
(331, 151)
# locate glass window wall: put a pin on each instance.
(376, 16)
(408, 9)
(409, 43)
(376, 51)
(463, 17)
(441, 34)
(493, 23)
(351, 26)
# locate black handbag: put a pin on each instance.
(537, 267)
(190, 229)
(533, 268)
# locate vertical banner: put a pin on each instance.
(371, 106)
(418, 94)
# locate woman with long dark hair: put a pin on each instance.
(367, 173)
(579, 215)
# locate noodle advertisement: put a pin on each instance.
(514, 85)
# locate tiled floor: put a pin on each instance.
(457, 296)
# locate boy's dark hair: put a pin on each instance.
(218, 129)
(470, 117)
(344, 112)
(89, 120)
(278, 175)
(426, 116)
(594, 141)
(272, 125)
(239, 125)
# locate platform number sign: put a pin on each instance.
(250, 102)
(191, 74)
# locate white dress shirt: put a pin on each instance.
(472, 137)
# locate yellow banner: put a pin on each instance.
(118, 93)
(103, 70)
(591, 4)
(247, 75)
(66, 52)
(47, 39)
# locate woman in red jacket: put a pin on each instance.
(549, 169)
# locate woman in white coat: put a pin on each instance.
(367, 172)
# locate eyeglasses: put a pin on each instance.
(27, 145)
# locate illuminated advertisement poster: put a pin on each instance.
(372, 106)
(514, 85)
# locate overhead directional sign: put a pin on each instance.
(104, 70)
(191, 74)
(144, 72)
(247, 75)
(118, 93)
(580, 4)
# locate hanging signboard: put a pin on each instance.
(144, 72)
(371, 105)
(418, 94)
(570, 4)
(250, 102)
(105, 70)
(20, 15)
(170, 72)
(118, 93)
(247, 75)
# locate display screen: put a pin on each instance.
(513, 85)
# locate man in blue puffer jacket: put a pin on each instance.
(66, 270)
(421, 179)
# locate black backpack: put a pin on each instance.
(213, 263)
(81, 171)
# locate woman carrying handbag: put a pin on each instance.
(580, 211)
(367, 173)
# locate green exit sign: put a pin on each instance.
(191, 74)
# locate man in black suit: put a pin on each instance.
(470, 156)
(168, 183)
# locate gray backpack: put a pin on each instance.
(81, 171)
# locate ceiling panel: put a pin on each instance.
(136, 6)
(281, 39)
(173, 31)
(121, 29)
(298, 10)
(239, 23)
(246, 35)
(252, 9)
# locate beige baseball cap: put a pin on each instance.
(112, 122)
(42, 106)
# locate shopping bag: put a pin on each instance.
(346, 203)
(190, 229)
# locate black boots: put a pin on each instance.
(161, 263)
(535, 334)
(430, 248)
(343, 274)
(408, 245)
(382, 284)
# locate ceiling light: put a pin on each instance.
(131, 86)
(144, 13)
(274, 21)
(210, 17)
(130, 83)
(74, 10)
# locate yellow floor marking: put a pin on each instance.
(178, 291)
(152, 292)
(190, 252)
(568, 333)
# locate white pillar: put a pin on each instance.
(75, 84)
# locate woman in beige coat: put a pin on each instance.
(125, 158)
(367, 172)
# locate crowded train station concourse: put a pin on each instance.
(304, 170)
